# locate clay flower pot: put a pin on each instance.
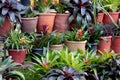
(56, 47)
(18, 55)
(46, 19)
(74, 45)
(100, 17)
(29, 24)
(61, 22)
(5, 28)
(105, 45)
(116, 44)
(114, 15)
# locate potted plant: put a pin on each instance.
(76, 39)
(61, 18)
(17, 43)
(112, 6)
(95, 32)
(29, 20)
(116, 40)
(81, 12)
(9, 12)
(7, 64)
(45, 17)
(56, 41)
(106, 38)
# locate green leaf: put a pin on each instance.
(2, 19)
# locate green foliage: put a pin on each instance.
(76, 35)
(8, 63)
(61, 7)
(17, 40)
(56, 38)
(43, 6)
(44, 63)
(111, 5)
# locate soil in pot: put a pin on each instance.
(29, 24)
(74, 45)
(56, 47)
(18, 55)
(61, 22)
(105, 44)
(46, 19)
(116, 44)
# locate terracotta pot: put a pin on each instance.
(46, 19)
(56, 47)
(105, 45)
(74, 45)
(5, 28)
(61, 22)
(116, 44)
(100, 17)
(114, 15)
(29, 24)
(18, 56)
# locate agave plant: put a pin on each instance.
(10, 9)
(65, 74)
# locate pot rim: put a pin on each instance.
(76, 41)
(56, 45)
(106, 36)
(17, 50)
(29, 18)
(47, 14)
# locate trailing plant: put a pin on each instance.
(65, 74)
(10, 9)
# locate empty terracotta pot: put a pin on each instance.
(105, 44)
(56, 47)
(18, 55)
(61, 22)
(116, 44)
(74, 45)
(29, 24)
(46, 19)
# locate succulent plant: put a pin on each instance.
(65, 74)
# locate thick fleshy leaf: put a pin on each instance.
(83, 10)
(1, 5)
(79, 19)
(61, 77)
(18, 6)
(70, 19)
(12, 1)
(75, 11)
(76, 1)
(12, 16)
(17, 14)
(3, 1)
(4, 11)
(88, 17)
(2, 18)
(84, 1)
